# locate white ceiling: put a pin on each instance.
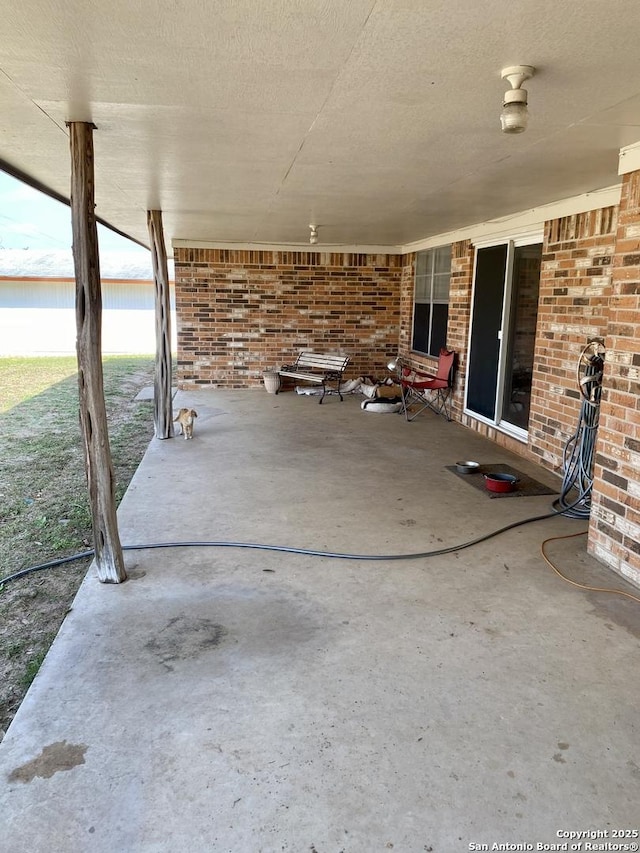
(246, 120)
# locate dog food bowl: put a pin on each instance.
(500, 482)
(467, 467)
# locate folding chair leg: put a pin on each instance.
(418, 401)
(444, 406)
(405, 407)
(447, 406)
(408, 399)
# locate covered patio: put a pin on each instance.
(232, 699)
(362, 178)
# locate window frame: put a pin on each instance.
(430, 277)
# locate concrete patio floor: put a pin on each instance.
(237, 701)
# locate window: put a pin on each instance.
(431, 301)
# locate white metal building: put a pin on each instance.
(37, 303)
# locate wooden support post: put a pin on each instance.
(163, 412)
(93, 418)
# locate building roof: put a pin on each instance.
(29, 263)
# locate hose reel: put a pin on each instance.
(590, 368)
(579, 451)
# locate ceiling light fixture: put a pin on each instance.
(313, 237)
(514, 115)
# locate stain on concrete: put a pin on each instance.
(617, 609)
(54, 758)
(185, 638)
(559, 758)
(136, 574)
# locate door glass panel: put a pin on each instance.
(486, 322)
(521, 336)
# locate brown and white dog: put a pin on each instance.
(186, 418)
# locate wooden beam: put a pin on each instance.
(163, 411)
(93, 418)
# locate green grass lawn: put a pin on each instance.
(24, 378)
(44, 507)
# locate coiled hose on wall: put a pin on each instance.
(579, 451)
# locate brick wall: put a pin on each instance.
(614, 534)
(240, 312)
(460, 289)
(575, 289)
(405, 334)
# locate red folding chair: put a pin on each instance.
(426, 391)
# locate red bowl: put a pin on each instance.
(500, 482)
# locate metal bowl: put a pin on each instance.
(500, 482)
(467, 467)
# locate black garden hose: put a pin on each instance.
(283, 549)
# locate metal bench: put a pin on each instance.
(318, 368)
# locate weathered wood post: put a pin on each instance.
(163, 412)
(93, 418)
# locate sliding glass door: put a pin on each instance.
(502, 336)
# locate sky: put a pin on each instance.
(31, 220)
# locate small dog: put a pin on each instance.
(186, 418)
